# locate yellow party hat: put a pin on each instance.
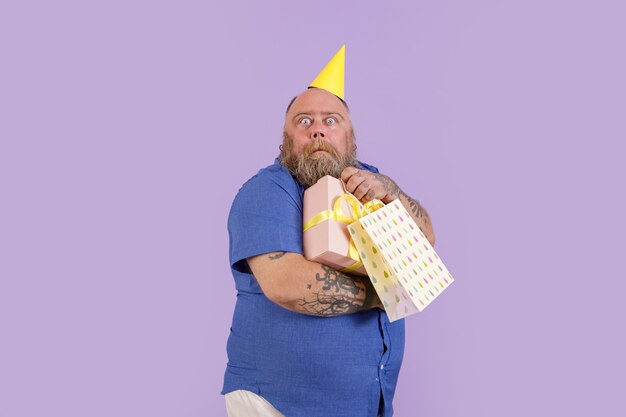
(331, 77)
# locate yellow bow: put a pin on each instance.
(357, 210)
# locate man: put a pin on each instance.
(308, 340)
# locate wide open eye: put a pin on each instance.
(331, 120)
(305, 121)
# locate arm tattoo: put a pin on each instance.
(336, 281)
(277, 255)
(391, 188)
(421, 217)
(415, 206)
(340, 294)
(416, 209)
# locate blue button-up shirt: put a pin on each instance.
(305, 366)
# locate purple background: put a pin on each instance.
(127, 128)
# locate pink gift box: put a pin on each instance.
(327, 242)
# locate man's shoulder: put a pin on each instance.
(269, 180)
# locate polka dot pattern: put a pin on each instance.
(404, 268)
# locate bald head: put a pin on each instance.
(294, 99)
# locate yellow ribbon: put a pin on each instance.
(357, 210)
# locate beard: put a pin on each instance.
(310, 166)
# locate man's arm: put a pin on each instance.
(306, 287)
(415, 209)
(366, 186)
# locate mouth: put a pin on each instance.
(319, 152)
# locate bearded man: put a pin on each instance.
(288, 353)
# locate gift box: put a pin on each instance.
(327, 211)
(404, 268)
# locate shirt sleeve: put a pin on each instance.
(369, 167)
(266, 216)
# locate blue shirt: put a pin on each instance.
(305, 366)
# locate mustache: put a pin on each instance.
(320, 145)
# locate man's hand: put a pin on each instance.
(367, 186)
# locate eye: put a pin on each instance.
(331, 120)
(305, 121)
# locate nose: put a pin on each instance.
(317, 131)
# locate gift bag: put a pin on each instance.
(404, 268)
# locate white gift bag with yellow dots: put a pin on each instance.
(403, 266)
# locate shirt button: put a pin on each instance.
(382, 366)
(376, 379)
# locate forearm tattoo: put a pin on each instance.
(416, 209)
(420, 215)
(391, 188)
(276, 255)
(339, 294)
